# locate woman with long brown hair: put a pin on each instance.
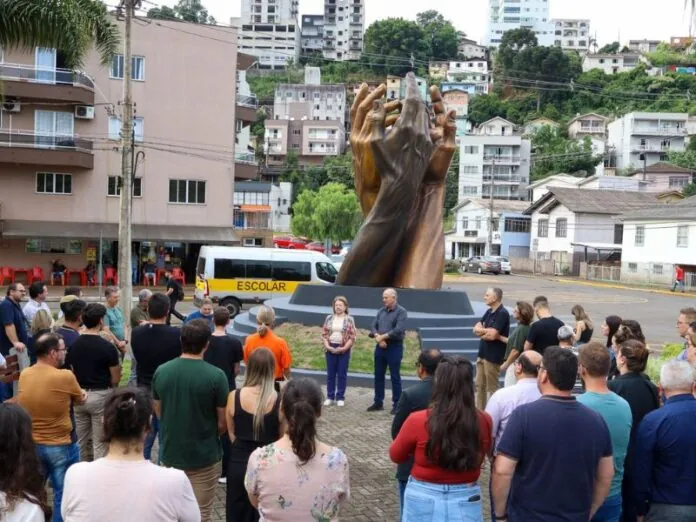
(252, 422)
(22, 491)
(583, 325)
(449, 442)
(299, 477)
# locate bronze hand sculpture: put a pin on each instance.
(400, 181)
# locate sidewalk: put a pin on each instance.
(91, 294)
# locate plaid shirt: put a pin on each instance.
(348, 329)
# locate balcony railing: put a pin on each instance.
(30, 73)
(502, 159)
(660, 131)
(651, 148)
(247, 158)
(32, 140)
(248, 101)
(503, 179)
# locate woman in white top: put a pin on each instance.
(123, 486)
(338, 337)
(22, 491)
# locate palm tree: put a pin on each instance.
(70, 26)
(690, 5)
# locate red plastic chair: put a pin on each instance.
(149, 281)
(159, 275)
(110, 275)
(37, 274)
(81, 274)
(178, 275)
(7, 273)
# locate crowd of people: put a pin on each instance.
(577, 432)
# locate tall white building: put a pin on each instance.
(344, 25)
(494, 157)
(270, 11)
(572, 34)
(650, 135)
(506, 15)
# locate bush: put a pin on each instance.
(669, 352)
(452, 266)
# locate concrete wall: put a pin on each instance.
(660, 244)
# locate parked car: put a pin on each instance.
(318, 246)
(505, 266)
(290, 242)
(482, 264)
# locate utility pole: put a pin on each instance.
(126, 181)
(645, 164)
(489, 243)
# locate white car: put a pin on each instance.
(505, 266)
(337, 260)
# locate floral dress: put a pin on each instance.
(290, 491)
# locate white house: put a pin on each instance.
(611, 63)
(570, 225)
(658, 239)
(541, 187)
(590, 124)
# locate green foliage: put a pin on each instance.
(512, 43)
(667, 55)
(191, 11)
(332, 212)
(686, 159)
(388, 41)
(258, 130)
(689, 190)
(561, 154)
(669, 352)
(441, 33)
(611, 48)
(452, 184)
(334, 169)
(70, 26)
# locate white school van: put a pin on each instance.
(237, 275)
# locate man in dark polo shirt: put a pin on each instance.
(554, 460)
(388, 331)
(13, 331)
(493, 330)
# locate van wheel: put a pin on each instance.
(232, 305)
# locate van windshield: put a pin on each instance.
(326, 272)
(200, 267)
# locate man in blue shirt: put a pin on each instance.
(554, 461)
(665, 457)
(114, 324)
(13, 330)
(595, 363)
(205, 312)
(388, 331)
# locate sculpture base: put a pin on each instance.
(444, 319)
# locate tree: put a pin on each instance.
(512, 43)
(191, 11)
(611, 48)
(442, 35)
(555, 153)
(70, 26)
(390, 44)
(339, 169)
(689, 190)
(332, 212)
(686, 159)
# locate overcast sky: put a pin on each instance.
(632, 19)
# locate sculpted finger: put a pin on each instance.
(450, 129)
(414, 106)
(436, 134)
(436, 98)
(377, 119)
(391, 120)
(392, 106)
(366, 104)
(359, 98)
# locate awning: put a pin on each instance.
(598, 246)
(255, 208)
(53, 229)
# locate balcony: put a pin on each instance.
(245, 166)
(502, 160)
(659, 131)
(650, 147)
(501, 178)
(246, 108)
(29, 148)
(38, 83)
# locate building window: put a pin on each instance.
(657, 270)
(678, 182)
(468, 190)
(633, 268)
(53, 183)
(471, 149)
(137, 67)
(562, 227)
(640, 236)
(518, 225)
(53, 246)
(618, 234)
(115, 128)
(478, 223)
(465, 223)
(683, 236)
(495, 224)
(543, 228)
(470, 169)
(186, 191)
(114, 187)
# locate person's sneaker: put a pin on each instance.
(375, 407)
(328, 402)
(393, 410)
(222, 480)
(341, 403)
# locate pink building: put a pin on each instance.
(60, 160)
(664, 177)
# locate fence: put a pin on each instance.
(603, 273)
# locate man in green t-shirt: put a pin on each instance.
(139, 315)
(190, 398)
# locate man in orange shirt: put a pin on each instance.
(265, 338)
(46, 393)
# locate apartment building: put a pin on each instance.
(494, 158)
(505, 15)
(344, 25)
(312, 34)
(259, 210)
(270, 11)
(572, 34)
(611, 63)
(648, 136)
(470, 49)
(313, 102)
(644, 46)
(60, 162)
(474, 71)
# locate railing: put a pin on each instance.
(52, 76)
(503, 178)
(603, 273)
(502, 159)
(661, 131)
(247, 158)
(248, 101)
(651, 148)
(34, 140)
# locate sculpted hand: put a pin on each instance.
(443, 134)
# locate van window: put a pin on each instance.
(228, 269)
(292, 271)
(326, 272)
(257, 269)
(200, 266)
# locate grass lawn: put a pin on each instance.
(307, 351)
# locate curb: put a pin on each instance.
(624, 287)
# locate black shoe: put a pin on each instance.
(375, 407)
(393, 410)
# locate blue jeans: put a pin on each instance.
(55, 461)
(153, 434)
(610, 511)
(679, 284)
(336, 369)
(402, 491)
(389, 357)
(6, 391)
(134, 269)
(133, 379)
(452, 503)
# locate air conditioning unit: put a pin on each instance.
(84, 112)
(11, 106)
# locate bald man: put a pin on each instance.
(388, 331)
